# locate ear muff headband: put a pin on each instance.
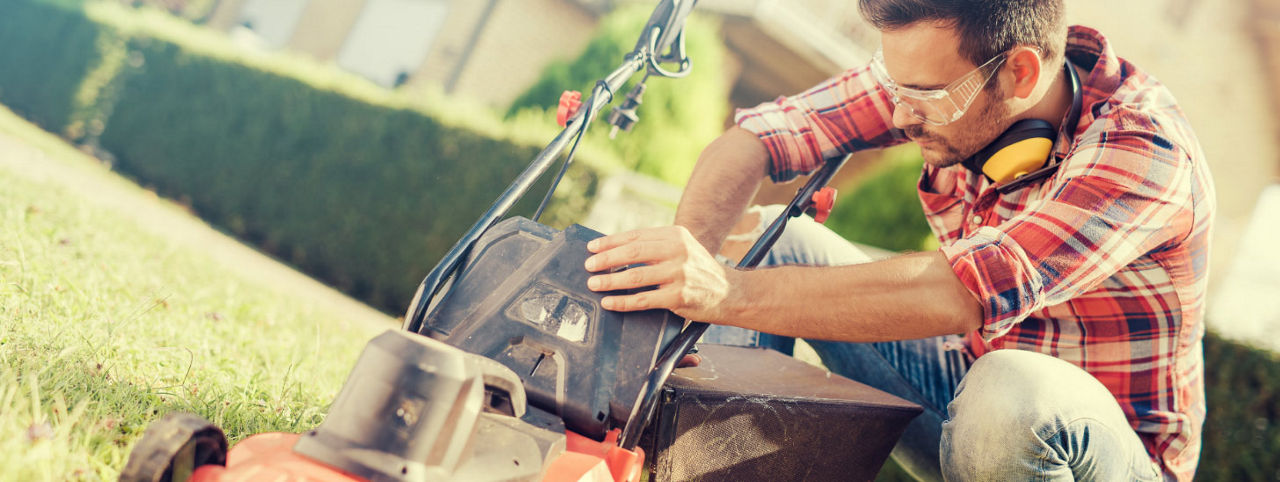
(1021, 154)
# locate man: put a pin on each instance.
(1080, 294)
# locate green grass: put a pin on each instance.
(105, 325)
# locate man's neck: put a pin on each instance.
(1056, 102)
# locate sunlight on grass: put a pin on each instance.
(105, 327)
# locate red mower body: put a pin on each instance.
(270, 456)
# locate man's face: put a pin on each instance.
(926, 56)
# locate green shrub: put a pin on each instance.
(360, 187)
(884, 209)
(1242, 430)
(365, 196)
(678, 117)
(48, 51)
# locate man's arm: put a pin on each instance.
(677, 259)
(1115, 200)
(905, 297)
(845, 113)
(911, 296)
(727, 175)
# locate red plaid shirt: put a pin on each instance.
(1103, 265)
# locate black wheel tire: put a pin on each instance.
(174, 447)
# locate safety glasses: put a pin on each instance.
(937, 106)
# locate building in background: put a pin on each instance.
(493, 49)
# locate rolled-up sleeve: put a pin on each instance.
(1118, 198)
(844, 114)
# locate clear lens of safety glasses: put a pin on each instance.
(937, 106)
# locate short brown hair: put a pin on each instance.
(985, 27)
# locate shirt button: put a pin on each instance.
(977, 220)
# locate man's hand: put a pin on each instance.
(689, 280)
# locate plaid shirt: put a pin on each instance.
(1103, 265)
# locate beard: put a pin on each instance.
(982, 127)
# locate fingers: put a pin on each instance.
(611, 241)
(634, 252)
(660, 298)
(637, 277)
(664, 233)
(689, 360)
(685, 274)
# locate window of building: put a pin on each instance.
(273, 21)
(392, 38)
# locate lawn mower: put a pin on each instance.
(507, 367)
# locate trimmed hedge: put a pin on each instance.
(361, 195)
(47, 54)
(362, 188)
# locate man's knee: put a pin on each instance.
(1008, 403)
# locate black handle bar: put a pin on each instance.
(642, 411)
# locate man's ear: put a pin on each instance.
(1024, 64)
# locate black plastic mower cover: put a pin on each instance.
(522, 299)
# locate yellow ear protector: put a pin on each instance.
(1023, 153)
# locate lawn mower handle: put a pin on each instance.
(665, 26)
(679, 347)
(452, 260)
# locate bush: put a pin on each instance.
(884, 210)
(1242, 430)
(365, 196)
(678, 117)
(358, 186)
(48, 52)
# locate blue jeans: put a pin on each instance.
(1010, 415)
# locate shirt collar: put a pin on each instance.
(1105, 72)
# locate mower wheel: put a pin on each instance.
(174, 447)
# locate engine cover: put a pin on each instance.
(521, 299)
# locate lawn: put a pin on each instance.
(117, 307)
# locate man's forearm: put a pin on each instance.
(726, 177)
(906, 297)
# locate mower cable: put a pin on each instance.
(601, 87)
